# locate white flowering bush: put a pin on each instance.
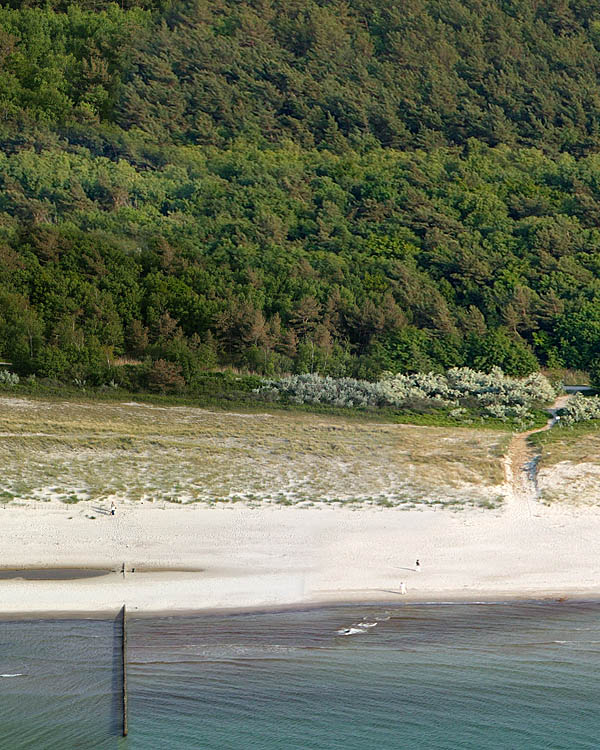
(8, 378)
(580, 408)
(314, 389)
(494, 394)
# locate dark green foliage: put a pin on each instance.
(342, 188)
(420, 73)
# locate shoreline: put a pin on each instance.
(241, 559)
(113, 612)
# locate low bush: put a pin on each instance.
(580, 408)
(492, 394)
(8, 378)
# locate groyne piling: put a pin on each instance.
(124, 659)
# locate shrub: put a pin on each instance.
(314, 389)
(494, 394)
(165, 377)
(8, 378)
(580, 408)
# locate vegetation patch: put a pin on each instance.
(569, 465)
(341, 188)
(139, 452)
(460, 393)
(580, 408)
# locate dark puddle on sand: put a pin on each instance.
(72, 574)
(53, 574)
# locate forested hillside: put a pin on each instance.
(297, 186)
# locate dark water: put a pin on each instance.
(52, 574)
(458, 676)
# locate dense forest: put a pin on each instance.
(281, 186)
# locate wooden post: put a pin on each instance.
(124, 655)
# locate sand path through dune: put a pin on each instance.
(520, 465)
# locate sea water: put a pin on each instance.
(408, 676)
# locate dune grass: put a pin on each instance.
(569, 465)
(72, 451)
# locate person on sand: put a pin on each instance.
(402, 587)
(113, 508)
(418, 566)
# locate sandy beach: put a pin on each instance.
(463, 502)
(238, 557)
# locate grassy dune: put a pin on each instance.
(95, 451)
(569, 465)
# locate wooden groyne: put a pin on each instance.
(124, 658)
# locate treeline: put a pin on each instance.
(290, 260)
(342, 188)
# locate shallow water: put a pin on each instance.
(53, 574)
(423, 676)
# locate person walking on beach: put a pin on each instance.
(402, 587)
(418, 566)
(113, 508)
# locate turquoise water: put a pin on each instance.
(426, 676)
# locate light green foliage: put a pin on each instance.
(496, 394)
(580, 408)
(8, 378)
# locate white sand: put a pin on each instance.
(279, 556)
